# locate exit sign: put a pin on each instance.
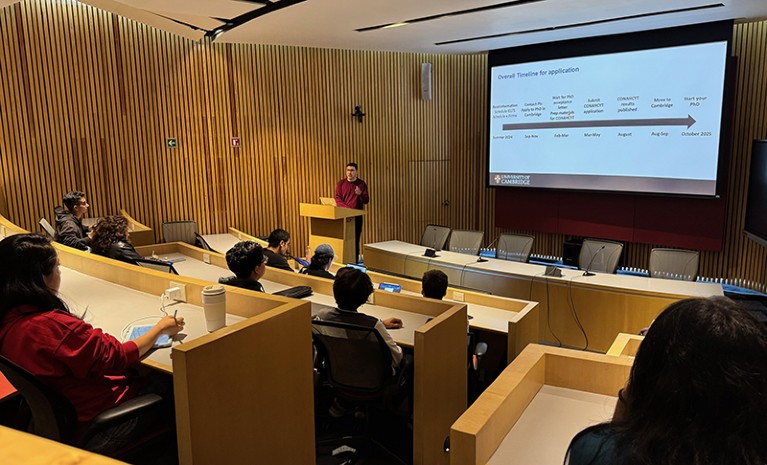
(171, 142)
(236, 142)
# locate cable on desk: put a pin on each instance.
(571, 304)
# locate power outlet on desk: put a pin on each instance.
(206, 258)
(177, 291)
(458, 296)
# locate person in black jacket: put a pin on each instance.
(279, 243)
(320, 263)
(110, 239)
(248, 263)
(69, 227)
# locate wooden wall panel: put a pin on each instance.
(88, 99)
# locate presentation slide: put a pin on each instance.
(641, 121)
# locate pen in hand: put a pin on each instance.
(175, 314)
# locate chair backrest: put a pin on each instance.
(515, 247)
(53, 416)
(599, 255)
(435, 236)
(159, 265)
(674, 264)
(180, 231)
(48, 228)
(357, 361)
(467, 242)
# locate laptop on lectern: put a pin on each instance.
(328, 201)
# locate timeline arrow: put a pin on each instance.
(607, 123)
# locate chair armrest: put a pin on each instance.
(133, 408)
(202, 243)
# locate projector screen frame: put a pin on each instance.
(720, 31)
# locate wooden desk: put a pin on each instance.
(489, 313)
(18, 448)
(140, 234)
(405, 336)
(605, 304)
(532, 411)
(625, 345)
(114, 308)
(224, 410)
(221, 243)
(439, 346)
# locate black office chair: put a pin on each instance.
(159, 265)
(54, 417)
(356, 363)
(183, 231)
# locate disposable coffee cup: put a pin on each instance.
(214, 306)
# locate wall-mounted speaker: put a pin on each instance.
(426, 81)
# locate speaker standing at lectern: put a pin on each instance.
(352, 192)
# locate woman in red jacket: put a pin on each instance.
(37, 332)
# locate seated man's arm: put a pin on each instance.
(396, 351)
(69, 234)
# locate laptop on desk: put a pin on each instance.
(328, 201)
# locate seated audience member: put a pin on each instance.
(279, 240)
(351, 289)
(320, 263)
(434, 284)
(248, 263)
(697, 394)
(69, 227)
(90, 368)
(110, 239)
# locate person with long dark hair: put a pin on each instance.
(90, 368)
(697, 393)
(320, 262)
(110, 238)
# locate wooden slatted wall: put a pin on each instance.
(88, 99)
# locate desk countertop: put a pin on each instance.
(533, 271)
(221, 243)
(548, 424)
(404, 336)
(114, 308)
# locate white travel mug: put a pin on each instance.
(214, 306)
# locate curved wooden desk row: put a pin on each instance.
(535, 407)
(605, 304)
(513, 317)
(140, 234)
(439, 345)
(224, 408)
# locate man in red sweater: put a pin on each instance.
(352, 192)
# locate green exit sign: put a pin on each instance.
(171, 142)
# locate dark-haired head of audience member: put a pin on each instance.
(108, 231)
(73, 199)
(322, 258)
(351, 288)
(29, 273)
(279, 240)
(434, 284)
(246, 260)
(697, 393)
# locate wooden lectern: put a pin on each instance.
(334, 226)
